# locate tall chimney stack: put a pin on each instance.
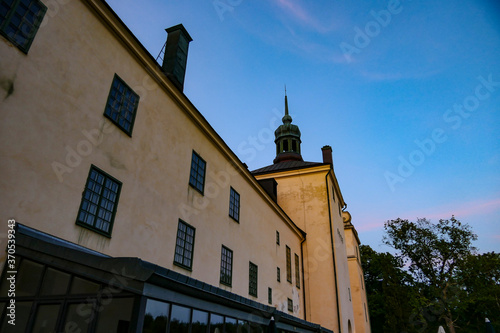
(176, 51)
(327, 154)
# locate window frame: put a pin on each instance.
(234, 205)
(277, 237)
(36, 25)
(253, 279)
(290, 304)
(223, 269)
(195, 186)
(288, 264)
(297, 271)
(278, 273)
(113, 213)
(116, 77)
(269, 295)
(181, 264)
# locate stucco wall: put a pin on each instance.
(52, 129)
(304, 195)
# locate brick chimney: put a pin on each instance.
(327, 154)
(176, 51)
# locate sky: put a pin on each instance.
(407, 94)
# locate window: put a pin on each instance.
(19, 21)
(226, 266)
(290, 305)
(288, 265)
(278, 273)
(252, 278)
(184, 245)
(197, 176)
(297, 271)
(269, 296)
(277, 237)
(234, 205)
(122, 105)
(99, 201)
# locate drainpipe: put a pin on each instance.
(303, 280)
(333, 251)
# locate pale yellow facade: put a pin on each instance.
(52, 129)
(359, 300)
(311, 197)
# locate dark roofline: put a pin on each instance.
(283, 166)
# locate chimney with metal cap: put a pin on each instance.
(327, 154)
(176, 51)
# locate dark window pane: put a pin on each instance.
(231, 325)
(121, 106)
(99, 201)
(55, 282)
(216, 323)
(243, 327)
(199, 322)
(234, 204)
(115, 315)
(288, 265)
(180, 318)
(156, 317)
(46, 318)
(19, 21)
(184, 245)
(81, 286)
(197, 173)
(22, 314)
(28, 278)
(252, 278)
(297, 271)
(74, 321)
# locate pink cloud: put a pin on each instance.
(460, 210)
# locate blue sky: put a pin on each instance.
(407, 93)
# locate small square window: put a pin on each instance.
(252, 277)
(234, 204)
(20, 20)
(278, 274)
(290, 305)
(226, 266)
(277, 237)
(184, 246)
(99, 202)
(197, 175)
(121, 106)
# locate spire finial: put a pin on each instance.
(286, 103)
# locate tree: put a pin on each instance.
(434, 253)
(479, 276)
(390, 292)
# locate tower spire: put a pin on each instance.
(287, 139)
(286, 103)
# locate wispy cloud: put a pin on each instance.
(299, 14)
(394, 76)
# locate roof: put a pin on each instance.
(287, 165)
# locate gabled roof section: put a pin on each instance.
(286, 165)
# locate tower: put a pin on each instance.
(287, 139)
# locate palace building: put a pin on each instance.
(124, 211)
